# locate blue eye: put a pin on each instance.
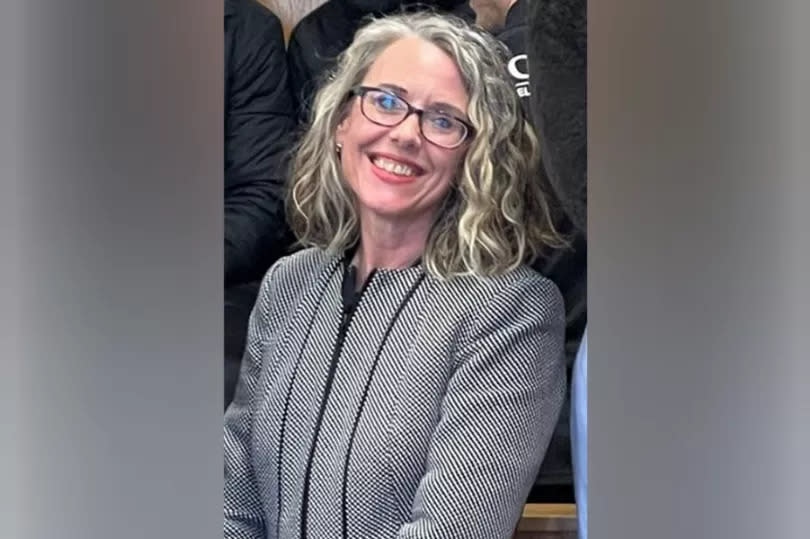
(443, 123)
(387, 102)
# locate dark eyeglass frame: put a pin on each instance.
(361, 91)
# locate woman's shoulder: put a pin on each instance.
(298, 269)
(306, 260)
(522, 288)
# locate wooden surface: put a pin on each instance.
(548, 521)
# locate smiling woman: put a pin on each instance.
(398, 174)
(494, 216)
(403, 374)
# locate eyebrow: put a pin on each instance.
(394, 88)
(440, 106)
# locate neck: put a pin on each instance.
(503, 7)
(389, 244)
(506, 5)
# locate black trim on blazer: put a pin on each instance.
(346, 321)
(408, 296)
(287, 400)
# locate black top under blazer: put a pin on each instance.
(422, 412)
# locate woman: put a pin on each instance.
(403, 375)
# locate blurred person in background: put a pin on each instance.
(291, 11)
(579, 435)
(557, 49)
(323, 34)
(404, 372)
(508, 20)
(259, 121)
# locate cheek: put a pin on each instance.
(354, 130)
(451, 170)
(351, 159)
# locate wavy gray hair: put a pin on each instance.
(495, 217)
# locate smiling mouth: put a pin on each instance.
(394, 167)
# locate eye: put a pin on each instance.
(443, 122)
(386, 102)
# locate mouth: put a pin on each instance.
(395, 166)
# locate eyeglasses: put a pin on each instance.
(388, 109)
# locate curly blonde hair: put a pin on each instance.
(495, 217)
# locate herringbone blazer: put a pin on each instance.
(424, 412)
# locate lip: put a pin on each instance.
(389, 177)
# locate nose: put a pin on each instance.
(408, 133)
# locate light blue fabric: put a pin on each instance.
(579, 435)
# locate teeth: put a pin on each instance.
(395, 168)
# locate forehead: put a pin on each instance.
(427, 72)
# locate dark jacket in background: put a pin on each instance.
(557, 58)
(566, 267)
(514, 35)
(558, 63)
(319, 38)
(259, 121)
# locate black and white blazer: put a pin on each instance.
(422, 412)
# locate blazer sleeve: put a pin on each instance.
(497, 417)
(244, 516)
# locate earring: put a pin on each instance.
(338, 148)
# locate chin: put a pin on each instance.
(390, 208)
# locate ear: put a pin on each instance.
(342, 128)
